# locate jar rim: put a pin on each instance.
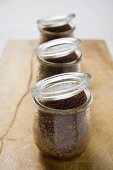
(57, 20)
(57, 48)
(66, 111)
(60, 86)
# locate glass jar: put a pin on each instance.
(62, 120)
(56, 27)
(59, 56)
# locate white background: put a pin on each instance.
(94, 18)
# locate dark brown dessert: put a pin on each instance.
(58, 29)
(62, 135)
(69, 58)
(57, 32)
(69, 103)
(47, 70)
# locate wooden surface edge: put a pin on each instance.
(20, 101)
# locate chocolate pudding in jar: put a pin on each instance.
(62, 121)
(59, 56)
(56, 27)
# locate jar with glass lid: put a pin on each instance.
(59, 56)
(62, 121)
(56, 26)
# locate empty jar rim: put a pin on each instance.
(60, 86)
(58, 48)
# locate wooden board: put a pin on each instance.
(18, 69)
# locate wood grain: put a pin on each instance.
(18, 70)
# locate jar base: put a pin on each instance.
(63, 158)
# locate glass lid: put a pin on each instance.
(55, 21)
(60, 86)
(57, 48)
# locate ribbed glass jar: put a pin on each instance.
(56, 27)
(59, 56)
(62, 120)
